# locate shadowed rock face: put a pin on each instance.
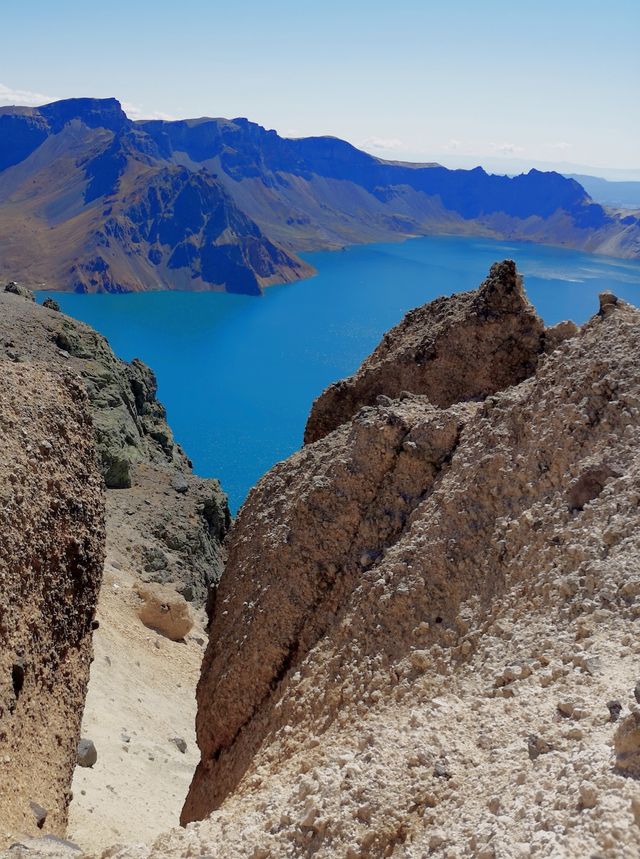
(420, 590)
(51, 553)
(165, 524)
(109, 213)
(451, 350)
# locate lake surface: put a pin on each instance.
(238, 374)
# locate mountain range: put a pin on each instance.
(619, 194)
(92, 201)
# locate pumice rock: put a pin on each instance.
(51, 553)
(441, 531)
(451, 350)
(164, 610)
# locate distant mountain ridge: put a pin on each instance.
(623, 194)
(93, 201)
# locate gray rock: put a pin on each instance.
(615, 708)
(536, 746)
(87, 753)
(441, 770)
(179, 483)
(18, 289)
(51, 304)
(39, 813)
(44, 846)
(155, 560)
(179, 743)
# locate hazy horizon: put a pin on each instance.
(495, 85)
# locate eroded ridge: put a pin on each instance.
(426, 615)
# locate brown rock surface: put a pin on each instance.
(162, 534)
(451, 350)
(412, 605)
(627, 745)
(51, 555)
(425, 618)
(164, 610)
(166, 525)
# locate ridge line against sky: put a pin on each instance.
(504, 85)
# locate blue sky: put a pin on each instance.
(464, 81)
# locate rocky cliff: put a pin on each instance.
(102, 210)
(165, 523)
(164, 526)
(425, 641)
(51, 553)
(452, 350)
(107, 204)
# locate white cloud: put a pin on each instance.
(561, 146)
(385, 144)
(22, 97)
(26, 98)
(506, 148)
(134, 112)
(453, 145)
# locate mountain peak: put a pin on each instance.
(93, 112)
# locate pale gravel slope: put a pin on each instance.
(141, 688)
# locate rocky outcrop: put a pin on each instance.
(17, 289)
(51, 554)
(451, 350)
(130, 424)
(427, 615)
(162, 533)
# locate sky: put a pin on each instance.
(503, 83)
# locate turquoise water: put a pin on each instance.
(238, 374)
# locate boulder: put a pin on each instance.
(626, 743)
(163, 609)
(17, 289)
(86, 753)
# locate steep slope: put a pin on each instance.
(51, 554)
(429, 351)
(108, 213)
(106, 204)
(426, 638)
(164, 523)
(321, 192)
